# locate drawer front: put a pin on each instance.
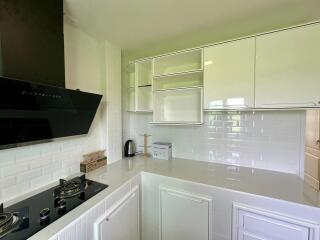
(311, 165)
(312, 151)
(248, 236)
(250, 223)
(271, 228)
(312, 181)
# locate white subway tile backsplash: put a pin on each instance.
(40, 181)
(13, 170)
(29, 175)
(7, 181)
(40, 162)
(12, 191)
(271, 140)
(26, 153)
(25, 169)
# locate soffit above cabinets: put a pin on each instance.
(149, 27)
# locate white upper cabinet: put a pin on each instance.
(229, 75)
(288, 68)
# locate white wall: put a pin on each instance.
(24, 169)
(271, 140)
(113, 113)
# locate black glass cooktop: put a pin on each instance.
(23, 219)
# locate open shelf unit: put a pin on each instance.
(132, 77)
(178, 88)
(178, 106)
(178, 62)
(131, 91)
(144, 99)
(143, 84)
(171, 87)
(187, 79)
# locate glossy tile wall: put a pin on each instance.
(270, 140)
(27, 168)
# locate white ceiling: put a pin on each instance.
(145, 27)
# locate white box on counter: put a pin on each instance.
(162, 150)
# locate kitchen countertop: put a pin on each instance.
(283, 186)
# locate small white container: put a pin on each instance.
(162, 150)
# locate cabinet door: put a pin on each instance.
(313, 129)
(288, 68)
(184, 216)
(254, 224)
(229, 75)
(122, 223)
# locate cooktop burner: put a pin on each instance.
(71, 188)
(25, 218)
(11, 221)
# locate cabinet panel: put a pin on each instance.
(122, 221)
(184, 216)
(229, 75)
(271, 228)
(311, 166)
(288, 68)
(248, 236)
(250, 223)
(313, 128)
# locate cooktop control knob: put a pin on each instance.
(62, 203)
(44, 214)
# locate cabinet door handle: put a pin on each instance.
(297, 104)
(227, 107)
(184, 196)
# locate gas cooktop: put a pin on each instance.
(23, 219)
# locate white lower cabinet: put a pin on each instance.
(255, 224)
(121, 222)
(184, 216)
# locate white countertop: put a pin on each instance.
(283, 186)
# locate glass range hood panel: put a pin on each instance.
(33, 112)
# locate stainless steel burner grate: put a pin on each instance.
(8, 223)
(70, 189)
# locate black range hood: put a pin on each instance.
(31, 112)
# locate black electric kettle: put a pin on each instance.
(129, 149)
